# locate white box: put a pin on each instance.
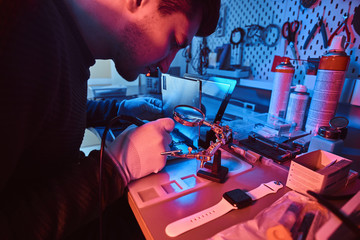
(319, 171)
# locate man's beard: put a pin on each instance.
(131, 51)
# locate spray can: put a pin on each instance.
(284, 73)
(297, 106)
(328, 85)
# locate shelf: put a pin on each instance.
(237, 73)
(259, 84)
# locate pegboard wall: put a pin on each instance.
(240, 13)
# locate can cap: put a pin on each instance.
(300, 88)
(285, 67)
(337, 44)
(285, 63)
(337, 47)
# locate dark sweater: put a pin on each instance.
(47, 187)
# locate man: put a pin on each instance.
(48, 188)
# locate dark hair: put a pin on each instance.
(210, 12)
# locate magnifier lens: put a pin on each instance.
(188, 116)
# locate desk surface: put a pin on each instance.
(154, 219)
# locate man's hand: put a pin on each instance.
(137, 150)
(145, 108)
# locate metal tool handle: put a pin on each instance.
(324, 35)
(311, 34)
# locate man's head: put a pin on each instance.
(208, 8)
(142, 35)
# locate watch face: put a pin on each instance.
(238, 198)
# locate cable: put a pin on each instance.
(270, 35)
(130, 119)
(339, 197)
(345, 219)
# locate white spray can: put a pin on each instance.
(284, 73)
(298, 101)
(328, 85)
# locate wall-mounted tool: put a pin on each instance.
(269, 35)
(356, 20)
(236, 38)
(347, 31)
(307, 3)
(289, 31)
(320, 24)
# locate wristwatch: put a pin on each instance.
(234, 199)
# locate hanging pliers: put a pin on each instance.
(320, 24)
(347, 31)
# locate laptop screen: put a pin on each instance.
(210, 95)
(181, 91)
(216, 93)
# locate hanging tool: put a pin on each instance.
(270, 35)
(347, 31)
(356, 20)
(188, 56)
(320, 24)
(289, 31)
(307, 3)
(236, 37)
(204, 56)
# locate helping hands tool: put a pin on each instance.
(191, 116)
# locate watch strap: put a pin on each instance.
(185, 224)
(265, 189)
(224, 206)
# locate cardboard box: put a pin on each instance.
(319, 171)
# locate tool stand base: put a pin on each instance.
(215, 177)
(218, 173)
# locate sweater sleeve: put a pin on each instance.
(55, 208)
(99, 113)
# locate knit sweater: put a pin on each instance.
(48, 188)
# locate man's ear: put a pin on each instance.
(133, 5)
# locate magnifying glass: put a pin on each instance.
(189, 116)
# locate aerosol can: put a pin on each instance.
(284, 73)
(297, 106)
(328, 85)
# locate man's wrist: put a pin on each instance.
(118, 168)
